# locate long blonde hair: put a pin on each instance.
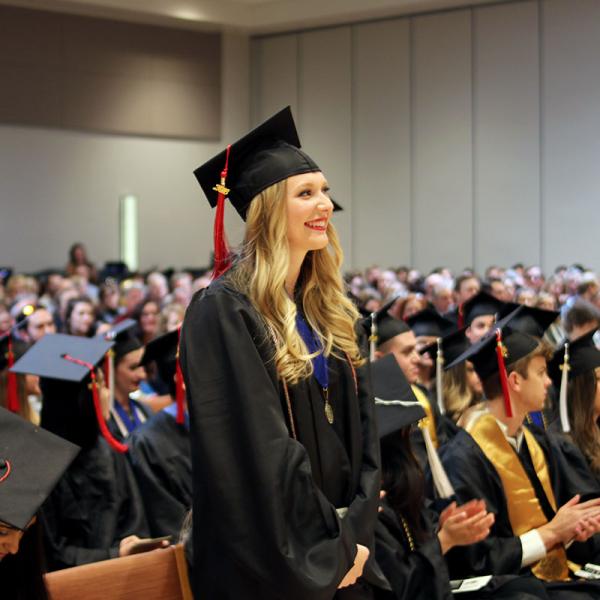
(458, 396)
(260, 272)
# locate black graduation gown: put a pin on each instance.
(422, 574)
(473, 476)
(94, 506)
(159, 451)
(265, 519)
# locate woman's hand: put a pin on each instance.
(464, 525)
(351, 577)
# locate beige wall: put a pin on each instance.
(463, 138)
(59, 186)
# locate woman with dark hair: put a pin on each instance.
(77, 257)
(580, 394)
(147, 316)
(23, 488)
(284, 449)
(80, 317)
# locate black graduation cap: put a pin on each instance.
(46, 357)
(453, 345)
(479, 305)
(483, 353)
(123, 334)
(528, 319)
(429, 322)
(396, 405)
(163, 351)
(386, 326)
(268, 154)
(32, 461)
(583, 357)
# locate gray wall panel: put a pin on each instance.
(325, 116)
(275, 80)
(381, 144)
(571, 101)
(442, 167)
(506, 135)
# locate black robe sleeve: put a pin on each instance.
(474, 477)
(261, 510)
(418, 575)
(94, 506)
(160, 457)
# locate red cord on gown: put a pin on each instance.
(500, 349)
(12, 394)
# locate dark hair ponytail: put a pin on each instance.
(403, 481)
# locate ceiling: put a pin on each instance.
(253, 16)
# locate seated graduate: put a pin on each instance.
(95, 512)
(478, 314)
(575, 370)
(15, 388)
(124, 377)
(519, 473)
(389, 335)
(32, 460)
(457, 388)
(159, 450)
(410, 543)
(428, 326)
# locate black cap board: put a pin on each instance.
(453, 345)
(483, 353)
(584, 356)
(123, 334)
(46, 357)
(163, 351)
(32, 460)
(387, 326)
(396, 405)
(429, 322)
(268, 154)
(480, 305)
(531, 320)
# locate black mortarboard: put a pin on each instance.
(163, 351)
(396, 405)
(123, 334)
(531, 320)
(483, 353)
(453, 345)
(46, 357)
(479, 305)
(583, 354)
(32, 461)
(429, 322)
(268, 154)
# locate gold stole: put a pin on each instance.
(524, 510)
(429, 420)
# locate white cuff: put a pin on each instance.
(533, 548)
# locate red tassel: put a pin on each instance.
(222, 255)
(502, 371)
(179, 389)
(12, 393)
(108, 436)
(461, 317)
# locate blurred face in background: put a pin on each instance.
(81, 319)
(39, 323)
(149, 319)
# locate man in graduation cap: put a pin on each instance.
(95, 512)
(541, 523)
(159, 450)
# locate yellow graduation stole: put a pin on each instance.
(524, 510)
(429, 420)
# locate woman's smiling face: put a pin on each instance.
(309, 209)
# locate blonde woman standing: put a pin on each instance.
(284, 451)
